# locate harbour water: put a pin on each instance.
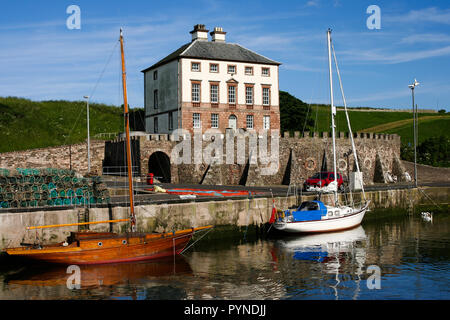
(392, 255)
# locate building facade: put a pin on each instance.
(212, 84)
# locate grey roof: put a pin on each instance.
(215, 51)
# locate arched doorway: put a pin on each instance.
(159, 165)
(232, 122)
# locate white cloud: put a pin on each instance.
(392, 57)
(426, 38)
(432, 14)
(312, 3)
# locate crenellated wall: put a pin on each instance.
(299, 156)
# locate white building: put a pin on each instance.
(211, 84)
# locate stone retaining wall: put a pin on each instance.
(61, 157)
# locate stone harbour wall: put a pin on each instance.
(167, 217)
(60, 157)
(298, 158)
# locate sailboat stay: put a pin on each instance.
(82, 248)
(315, 216)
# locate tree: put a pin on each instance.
(293, 113)
(433, 151)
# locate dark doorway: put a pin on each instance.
(159, 165)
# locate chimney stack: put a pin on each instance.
(218, 35)
(199, 33)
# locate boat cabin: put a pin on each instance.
(308, 211)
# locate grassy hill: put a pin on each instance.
(433, 140)
(401, 123)
(27, 124)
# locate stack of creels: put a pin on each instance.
(31, 187)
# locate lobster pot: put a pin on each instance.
(31, 187)
(30, 179)
(70, 193)
(44, 195)
(18, 195)
(53, 194)
(79, 192)
(8, 196)
(66, 179)
(33, 203)
(4, 172)
(14, 204)
(39, 179)
(12, 180)
(4, 204)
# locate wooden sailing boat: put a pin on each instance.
(315, 216)
(107, 247)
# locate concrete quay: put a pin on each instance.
(163, 212)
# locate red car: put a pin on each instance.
(322, 179)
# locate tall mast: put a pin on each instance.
(127, 130)
(333, 112)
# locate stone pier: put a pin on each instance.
(167, 217)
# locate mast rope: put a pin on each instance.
(103, 71)
(90, 96)
(348, 121)
(185, 249)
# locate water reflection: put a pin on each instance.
(336, 253)
(412, 255)
(33, 278)
(322, 247)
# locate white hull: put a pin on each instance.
(325, 225)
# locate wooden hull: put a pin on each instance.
(98, 248)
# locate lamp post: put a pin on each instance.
(88, 137)
(412, 87)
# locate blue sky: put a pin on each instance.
(40, 58)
